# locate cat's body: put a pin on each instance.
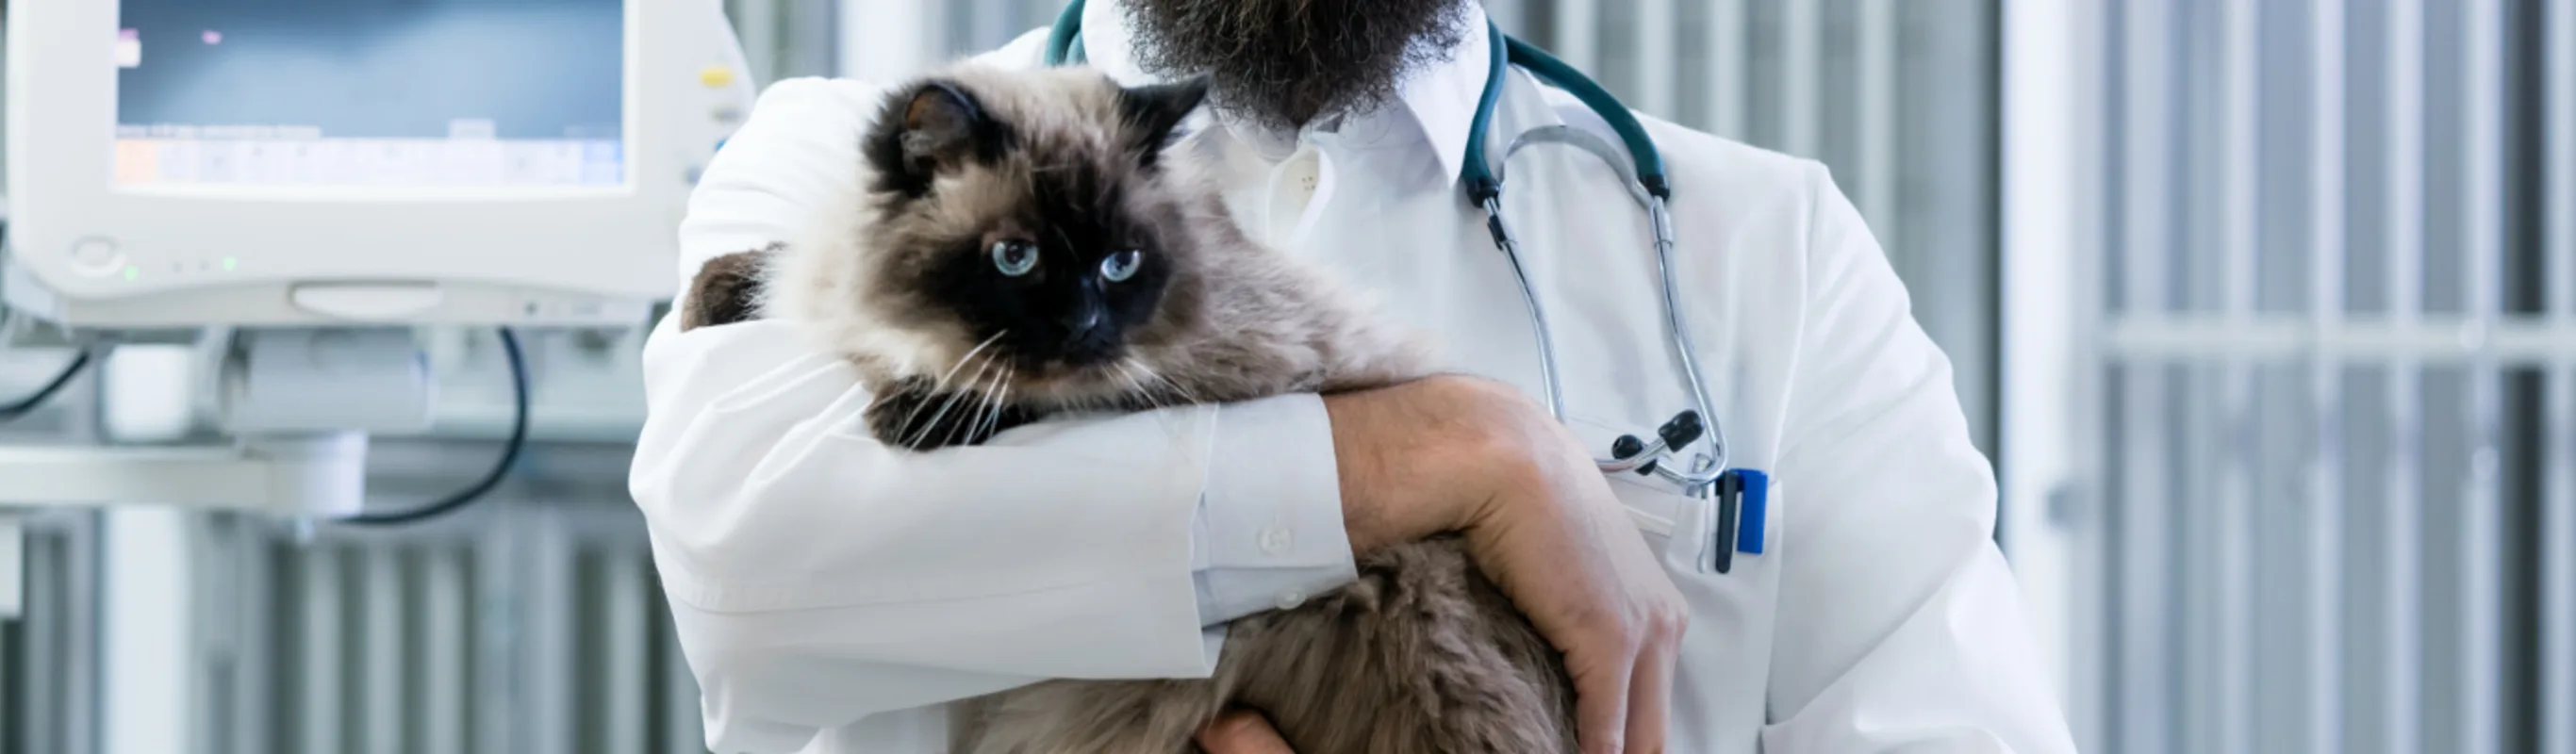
(1027, 247)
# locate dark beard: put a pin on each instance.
(1287, 63)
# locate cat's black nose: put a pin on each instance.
(1080, 321)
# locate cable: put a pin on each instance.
(509, 452)
(13, 411)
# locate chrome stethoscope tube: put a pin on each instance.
(1635, 453)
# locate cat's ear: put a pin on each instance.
(1155, 112)
(928, 127)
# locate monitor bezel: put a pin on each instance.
(600, 241)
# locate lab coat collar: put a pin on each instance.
(1441, 99)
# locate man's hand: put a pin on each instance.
(1242, 732)
(1460, 454)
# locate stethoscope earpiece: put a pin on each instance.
(1684, 429)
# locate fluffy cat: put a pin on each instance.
(1032, 243)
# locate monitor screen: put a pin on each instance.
(371, 93)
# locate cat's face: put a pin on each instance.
(1025, 231)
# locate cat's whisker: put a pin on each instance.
(942, 384)
(1185, 393)
(1115, 373)
(1167, 384)
(970, 397)
(999, 402)
(1004, 401)
(975, 404)
(984, 407)
(1002, 405)
(1136, 385)
(970, 356)
(924, 432)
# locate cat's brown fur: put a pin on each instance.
(1421, 655)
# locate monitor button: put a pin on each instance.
(96, 257)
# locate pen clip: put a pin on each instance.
(1729, 489)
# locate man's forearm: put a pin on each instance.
(1423, 457)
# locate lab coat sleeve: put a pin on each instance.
(817, 577)
(1899, 624)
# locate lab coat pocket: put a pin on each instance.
(1676, 525)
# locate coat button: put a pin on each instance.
(1289, 600)
(1275, 540)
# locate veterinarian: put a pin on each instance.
(833, 594)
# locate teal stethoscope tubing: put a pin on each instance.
(1644, 173)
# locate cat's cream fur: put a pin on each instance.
(1421, 655)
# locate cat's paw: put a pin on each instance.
(915, 414)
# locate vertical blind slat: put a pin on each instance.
(1801, 69)
(1578, 33)
(2325, 498)
(2404, 250)
(551, 646)
(2241, 112)
(1876, 91)
(442, 707)
(2148, 619)
(2481, 631)
(2558, 538)
(500, 694)
(380, 650)
(684, 729)
(319, 705)
(1655, 64)
(627, 620)
(1728, 47)
(44, 627)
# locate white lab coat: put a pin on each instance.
(830, 593)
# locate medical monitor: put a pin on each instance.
(217, 97)
(249, 162)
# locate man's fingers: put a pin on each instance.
(1242, 733)
(1650, 696)
(1601, 707)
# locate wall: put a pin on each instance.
(2326, 500)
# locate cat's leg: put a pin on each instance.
(915, 413)
(1108, 717)
(726, 290)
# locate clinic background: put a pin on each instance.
(2267, 311)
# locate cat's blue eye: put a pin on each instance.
(1122, 265)
(1014, 258)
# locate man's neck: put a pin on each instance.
(1439, 101)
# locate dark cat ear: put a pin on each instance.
(927, 127)
(1154, 113)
